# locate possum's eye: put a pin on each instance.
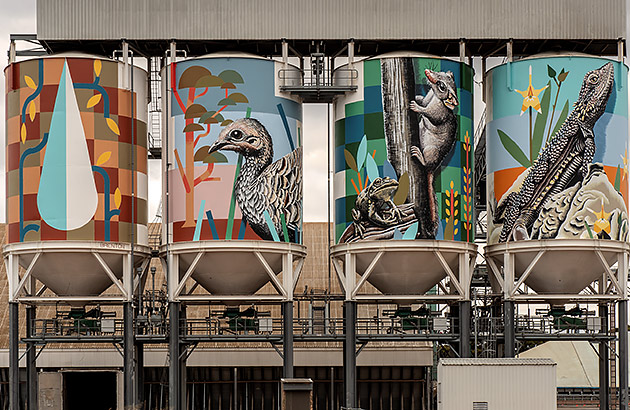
(441, 86)
(593, 78)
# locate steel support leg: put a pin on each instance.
(287, 339)
(140, 375)
(349, 353)
(604, 370)
(31, 369)
(464, 328)
(129, 350)
(14, 357)
(623, 354)
(174, 371)
(509, 329)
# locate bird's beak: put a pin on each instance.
(217, 145)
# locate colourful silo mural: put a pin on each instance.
(76, 151)
(557, 152)
(235, 150)
(403, 152)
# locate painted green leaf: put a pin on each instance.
(226, 101)
(541, 122)
(194, 111)
(191, 75)
(563, 76)
(551, 71)
(208, 81)
(238, 97)
(350, 160)
(513, 149)
(618, 178)
(411, 232)
(361, 153)
(193, 127)
(216, 158)
(231, 76)
(588, 229)
(403, 189)
(449, 230)
(372, 168)
(201, 153)
(563, 116)
(210, 117)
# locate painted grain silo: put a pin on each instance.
(403, 161)
(557, 168)
(234, 184)
(76, 171)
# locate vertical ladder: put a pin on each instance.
(614, 397)
(155, 109)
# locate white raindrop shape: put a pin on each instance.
(67, 197)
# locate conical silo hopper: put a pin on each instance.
(233, 188)
(76, 171)
(403, 196)
(557, 169)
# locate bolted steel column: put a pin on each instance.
(174, 371)
(129, 350)
(140, 375)
(349, 353)
(509, 330)
(14, 357)
(287, 340)
(464, 328)
(604, 371)
(31, 369)
(623, 354)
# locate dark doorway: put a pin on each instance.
(90, 390)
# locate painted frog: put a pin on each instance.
(374, 205)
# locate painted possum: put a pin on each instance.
(438, 127)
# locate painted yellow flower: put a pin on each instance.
(530, 96)
(602, 223)
(624, 158)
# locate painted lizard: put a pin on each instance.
(566, 156)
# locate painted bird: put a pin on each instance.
(262, 185)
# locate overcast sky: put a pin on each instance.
(18, 17)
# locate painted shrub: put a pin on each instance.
(568, 116)
(235, 150)
(72, 129)
(403, 152)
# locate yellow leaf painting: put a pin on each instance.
(117, 198)
(29, 81)
(97, 67)
(23, 133)
(103, 158)
(113, 126)
(31, 110)
(95, 99)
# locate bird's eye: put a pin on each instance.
(593, 79)
(252, 140)
(441, 86)
(236, 134)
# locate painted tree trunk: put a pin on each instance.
(402, 131)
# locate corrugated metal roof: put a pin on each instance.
(329, 19)
(498, 362)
